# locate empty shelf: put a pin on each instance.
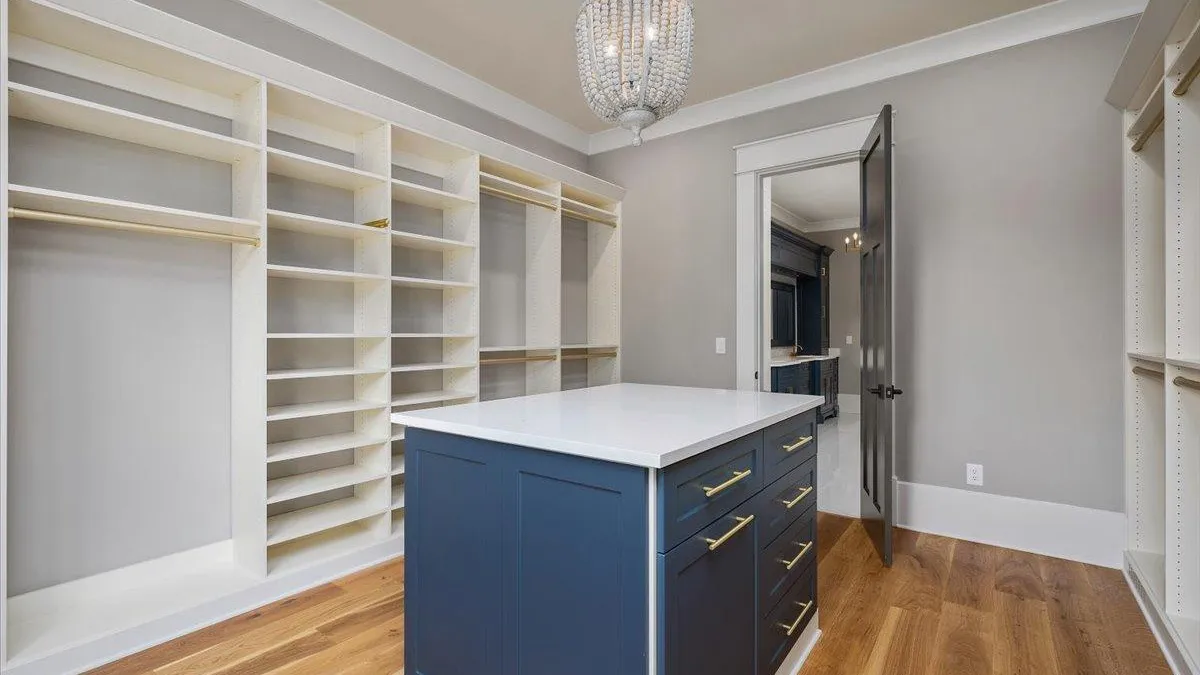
(578, 209)
(398, 435)
(303, 522)
(302, 485)
(297, 222)
(289, 103)
(411, 193)
(308, 447)
(314, 274)
(24, 197)
(397, 497)
(57, 110)
(415, 282)
(308, 373)
(397, 465)
(421, 398)
(283, 163)
(509, 189)
(300, 553)
(324, 336)
(1191, 364)
(299, 410)
(425, 367)
(447, 336)
(427, 243)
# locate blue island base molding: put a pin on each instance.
(628, 529)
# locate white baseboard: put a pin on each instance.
(1168, 638)
(795, 659)
(849, 404)
(83, 657)
(1086, 535)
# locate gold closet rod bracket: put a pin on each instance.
(514, 197)
(1188, 78)
(68, 219)
(1154, 374)
(1187, 383)
(1144, 137)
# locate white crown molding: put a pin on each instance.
(837, 224)
(346, 31)
(786, 217)
(1055, 18)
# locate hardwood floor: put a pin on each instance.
(947, 607)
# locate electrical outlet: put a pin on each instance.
(975, 474)
(849, 339)
(720, 345)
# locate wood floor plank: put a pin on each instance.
(972, 581)
(1019, 573)
(922, 573)
(830, 529)
(374, 646)
(964, 643)
(1023, 644)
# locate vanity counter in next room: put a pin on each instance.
(619, 530)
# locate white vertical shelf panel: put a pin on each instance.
(1144, 248)
(604, 298)
(4, 249)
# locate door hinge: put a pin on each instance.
(756, 374)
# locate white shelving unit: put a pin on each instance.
(1162, 339)
(361, 280)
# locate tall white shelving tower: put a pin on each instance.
(339, 265)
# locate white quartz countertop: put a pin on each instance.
(644, 425)
(793, 360)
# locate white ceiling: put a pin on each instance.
(819, 195)
(526, 47)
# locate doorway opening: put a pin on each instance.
(815, 313)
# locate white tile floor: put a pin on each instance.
(838, 460)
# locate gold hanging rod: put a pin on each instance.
(590, 355)
(68, 219)
(514, 197)
(1187, 383)
(1144, 137)
(1138, 370)
(1186, 83)
(583, 216)
(517, 359)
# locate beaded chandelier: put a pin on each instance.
(635, 59)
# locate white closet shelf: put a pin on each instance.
(494, 168)
(1189, 54)
(426, 243)
(519, 189)
(1190, 364)
(397, 465)
(416, 282)
(40, 199)
(411, 193)
(292, 165)
(315, 482)
(398, 435)
(425, 367)
(287, 102)
(1142, 356)
(321, 445)
(589, 212)
(85, 36)
(406, 142)
(295, 411)
(313, 373)
(517, 348)
(325, 336)
(1151, 114)
(445, 336)
(324, 227)
(293, 555)
(37, 105)
(314, 274)
(303, 522)
(397, 497)
(421, 398)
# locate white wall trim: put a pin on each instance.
(344, 30)
(786, 217)
(1055, 18)
(1076, 533)
(794, 661)
(849, 404)
(850, 223)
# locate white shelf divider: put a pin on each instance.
(301, 410)
(427, 243)
(320, 445)
(292, 165)
(313, 373)
(305, 484)
(303, 522)
(313, 274)
(324, 227)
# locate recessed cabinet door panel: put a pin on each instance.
(453, 532)
(708, 609)
(697, 490)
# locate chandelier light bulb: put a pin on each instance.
(635, 59)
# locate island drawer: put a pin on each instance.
(785, 559)
(783, 501)
(790, 443)
(695, 492)
(783, 626)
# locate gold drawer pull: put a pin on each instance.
(799, 498)
(796, 624)
(714, 544)
(800, 443)
(737, 476)
(792, 563)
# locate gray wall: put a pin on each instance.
(253, 27)
(844, 307)
(1008, 257)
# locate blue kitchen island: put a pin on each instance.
(618, 530)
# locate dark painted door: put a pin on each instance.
(878, 505)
